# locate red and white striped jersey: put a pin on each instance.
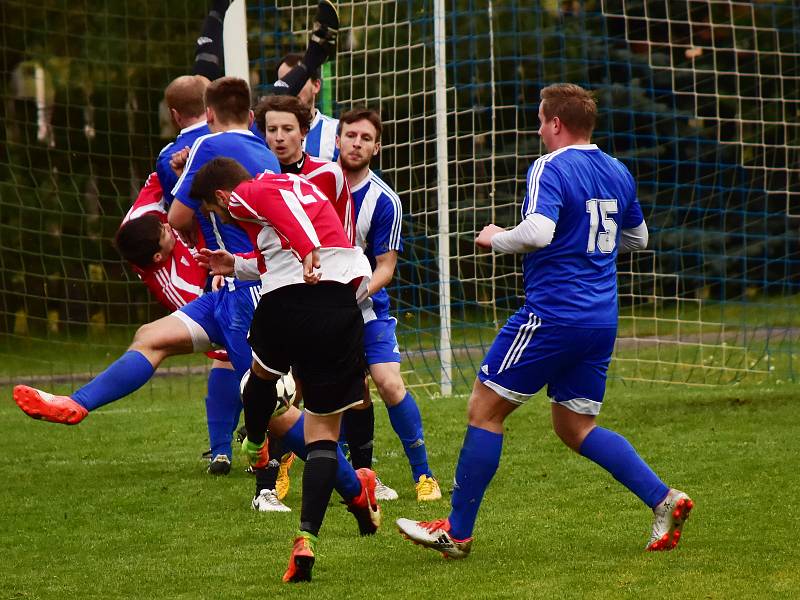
(330, 179)
(178, 279)
(287, 217)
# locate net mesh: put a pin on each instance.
(698, 99)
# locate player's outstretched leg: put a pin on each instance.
(209, 54)
(477, 464)
(616, 455)
(151, 344)
(321, 47)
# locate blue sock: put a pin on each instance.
(407, 424)
(347, 483)
(223, 405)
(616, 455)
(122, 377)
(477, 464)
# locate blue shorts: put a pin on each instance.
(223, 318)
(380, 341)
(572, 361)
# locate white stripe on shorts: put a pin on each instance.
(520, 342)
(200, 340)
(582, 406)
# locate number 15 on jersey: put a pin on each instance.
(599, 211)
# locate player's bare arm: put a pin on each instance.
(182, 219)
(385, 265)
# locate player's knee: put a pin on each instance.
(391, 388)
(571, 433)
(146, 337)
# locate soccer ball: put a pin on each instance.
(286, 389)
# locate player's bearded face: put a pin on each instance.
(357, 145)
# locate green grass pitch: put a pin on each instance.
(120, 507)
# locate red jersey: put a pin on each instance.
(149, 200)
(179, 279)
(287, 217)
(330, 179)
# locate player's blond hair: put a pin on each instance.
(574, 106)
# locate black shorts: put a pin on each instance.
(318, 331)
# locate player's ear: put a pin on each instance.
(209, 114)
(175, 116)
(251, 118)
(221, 197)
(158, 257)
(376, 149)
(338, 144)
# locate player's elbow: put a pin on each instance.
(635, 239)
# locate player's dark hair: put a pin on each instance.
(292, 60)
(229, 97)
(138, 240)
(185, 95)
(574, 106)
(362, 113)
(289, 104)
(217, 174)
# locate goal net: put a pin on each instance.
(700, 99)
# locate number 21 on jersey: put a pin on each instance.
(599, 211)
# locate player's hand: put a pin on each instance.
(178, 160)
(219, 262)
(311, 262)
(484, 239)
(217, 282)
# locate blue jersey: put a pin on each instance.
(591, 197)
(242, 146)
(166, 176)
(379, 217)
(321, 138)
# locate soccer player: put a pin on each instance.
(321, 138)
(379, 216)
(580, 210)
(175, 278)
(308, 319)
(284, 121)
(185, 100)
(228, 116)
(219, 318)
